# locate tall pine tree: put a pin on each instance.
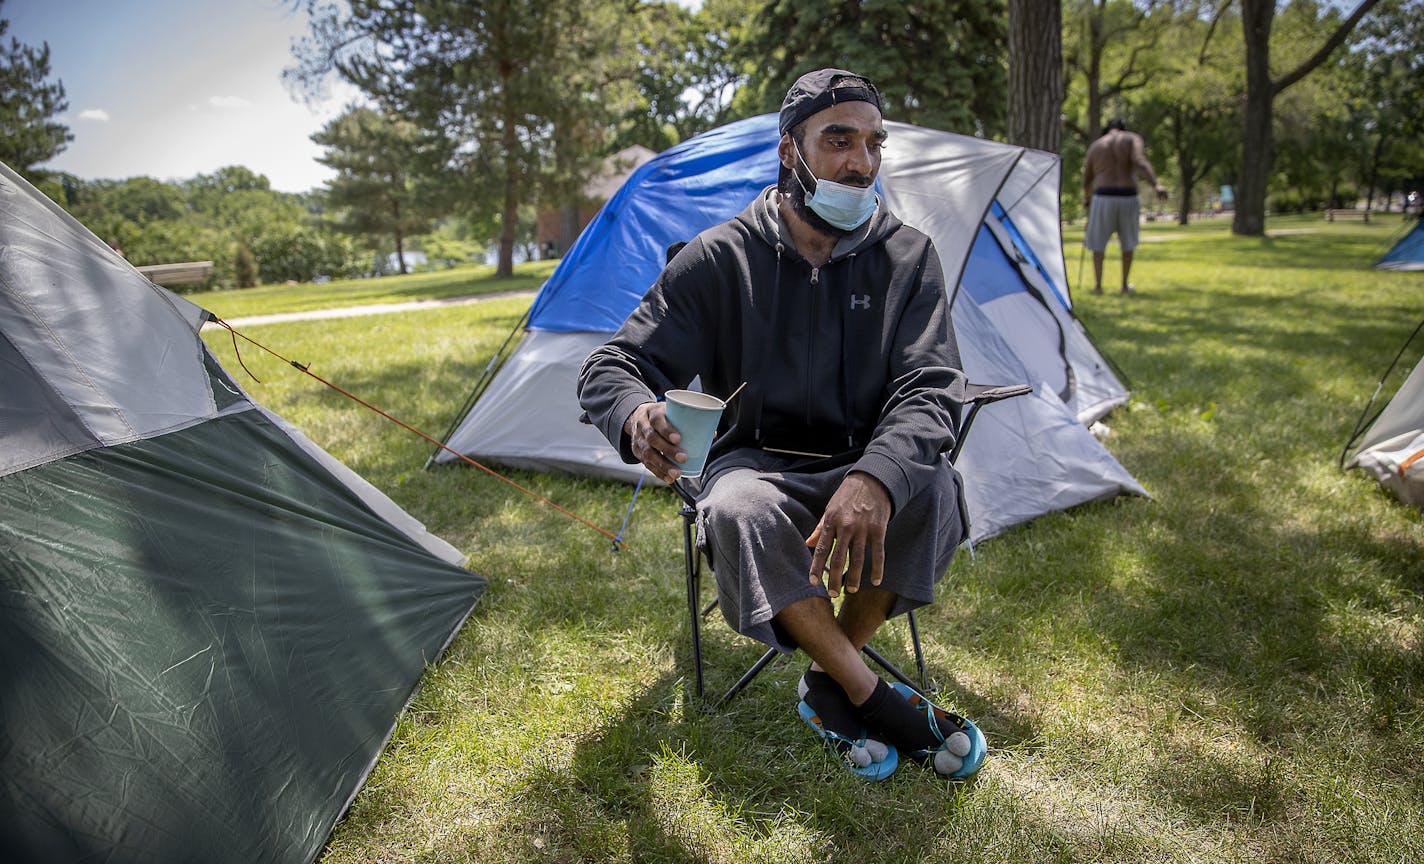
(28, 103)
(523, 90)
(374, 193)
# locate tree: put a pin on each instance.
(1193, 102)
(525, 90)
(373, 155)
(1388, 89)
(1036, 74)
(1315, 132)
(938, 63)
(1113, 48)
(244, 266)
(687, 68)
(1257, 17)
(28, 134)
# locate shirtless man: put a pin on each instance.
(1110, 171)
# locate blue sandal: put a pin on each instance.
(852, 754)
(942, 758)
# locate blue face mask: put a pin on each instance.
(845, 207)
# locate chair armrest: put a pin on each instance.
(976, 396)
(685, 495)
(985, 394)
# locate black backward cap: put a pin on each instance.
(813, 93)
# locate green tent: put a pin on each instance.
(208, 626)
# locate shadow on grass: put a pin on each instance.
(663, 781)
(653, 777)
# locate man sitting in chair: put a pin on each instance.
(828, 475)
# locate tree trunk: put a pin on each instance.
(1185, 163)
(1036, 74)
(400, 240)
(1374, 171)
(1094, 72)
(510, 217)
(1256, 18)
(1250, 218)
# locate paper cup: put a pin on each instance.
(695, 416)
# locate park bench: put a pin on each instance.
(183, 273)
(1332, 214)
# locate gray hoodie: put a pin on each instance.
(854, 360)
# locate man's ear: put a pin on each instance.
(785, 153)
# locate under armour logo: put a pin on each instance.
(859, 301)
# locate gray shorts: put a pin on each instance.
(753, 523)
(1111, 214)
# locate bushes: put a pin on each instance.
(233, 218)
(244, 266)
(300, 254)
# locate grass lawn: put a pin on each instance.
(433, 285)
(1230, 671)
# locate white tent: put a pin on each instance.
(992, 211)
(1390, 446)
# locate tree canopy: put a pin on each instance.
(375, 193)
(524, 90)
(937, 63)
(475, 117)
(29, 102)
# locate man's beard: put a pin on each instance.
(796, 194)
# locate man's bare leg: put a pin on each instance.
(863, 613)
(1126, 269)
(812, 623)
(1097, 272)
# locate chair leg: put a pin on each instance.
(922, 687)
(892, 669)
(919, 652)
(746, 679)
(694, 588)
(695, 615)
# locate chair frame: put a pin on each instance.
(973, 398)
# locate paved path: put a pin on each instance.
(371, 309)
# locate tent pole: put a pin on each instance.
(490, 368)
(1366, 421)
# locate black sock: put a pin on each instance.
(830, 702)
(887, 713)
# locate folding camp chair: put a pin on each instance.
(974, 397)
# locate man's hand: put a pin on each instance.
(852, 527)
(654, 440)
(1161, 191)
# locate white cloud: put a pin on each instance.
(229, 102)
(98, 115)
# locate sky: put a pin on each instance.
(171, 89)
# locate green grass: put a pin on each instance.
(433, 285)
(1230, 671)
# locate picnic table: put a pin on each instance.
(182, 273)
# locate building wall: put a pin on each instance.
(556, 229)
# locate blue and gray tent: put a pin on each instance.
(992, 211)
(1408, 253)
(208, 625)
